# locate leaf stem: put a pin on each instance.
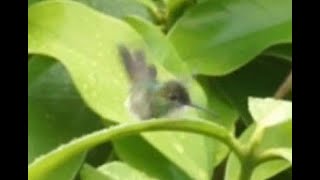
(44, 164)
(246, 172)
(256, 138)
(270, 155)
(264, 157)
(285, 87)
(250, 157)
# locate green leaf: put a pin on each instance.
(269, 112)
(119, 170)
(287, 174)
(270, 169)
(88, 172)
(121, 8)
(160, 46)
(275, 137)
(175, 9)
(56, 113)
(112, 171)
(138, 153)
(283, 51)
(66, 171)
(190, 152)
(218, 37)
(219, 103)
(30, 2)
(260, 78)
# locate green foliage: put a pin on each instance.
(77, 88)
(114, 170)
(56, 113)
(226, 35)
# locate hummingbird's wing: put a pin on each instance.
(135, 65)
(148, 71)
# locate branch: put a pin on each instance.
(44, 164)
(285, 87)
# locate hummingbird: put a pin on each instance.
(150, 98)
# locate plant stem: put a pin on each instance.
(256, 138)
(265, 157)
(285, 87)
(249, 158)
(246, 171)
(248, 163)
(275, 154)
(111, 156)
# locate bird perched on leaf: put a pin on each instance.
(150, 98)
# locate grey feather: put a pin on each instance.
(136, 67)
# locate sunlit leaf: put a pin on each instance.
(218, 37)
(269, 112)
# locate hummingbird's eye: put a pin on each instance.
(173, 97)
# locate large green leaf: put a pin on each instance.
(218, 37)
(119, 8)
(119, 170)
(275, 137)
(56, 113)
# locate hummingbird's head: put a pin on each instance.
(178, 96)
(175, 93)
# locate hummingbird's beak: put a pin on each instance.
(203, 109)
